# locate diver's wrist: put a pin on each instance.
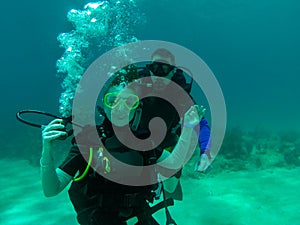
(47, 157)
(45, 164)
(189, 125)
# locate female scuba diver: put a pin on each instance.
(97, 200)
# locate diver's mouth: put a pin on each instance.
(119, 116)
(159, 85)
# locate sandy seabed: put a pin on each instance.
(264, 197)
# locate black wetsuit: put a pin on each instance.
(157, 107)
(99, 201)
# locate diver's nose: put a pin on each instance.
(120, 106)
(154, 79)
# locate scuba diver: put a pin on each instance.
(97, 200)
(160, 73)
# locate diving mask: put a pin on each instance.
(160, 69)
(113, 99)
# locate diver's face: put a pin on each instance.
(120, 105)
(160, 82)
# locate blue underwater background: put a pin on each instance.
(253, 49)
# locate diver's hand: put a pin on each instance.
(53, 131)
(194, 115)
(203, 162)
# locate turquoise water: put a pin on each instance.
(253, 49)
(251, 46)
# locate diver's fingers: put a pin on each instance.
(52, 135)
(54, 132)
(53, 127)
(191, 111)
(56, 121)
(191, 116)
(201, 109)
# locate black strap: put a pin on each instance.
(146, 215)
(30, 111)
(169, 219)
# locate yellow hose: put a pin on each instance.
(87, 167)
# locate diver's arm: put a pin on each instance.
(187, 141)
(170, 183)
(53, 180)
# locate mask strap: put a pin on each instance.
(137, 118)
